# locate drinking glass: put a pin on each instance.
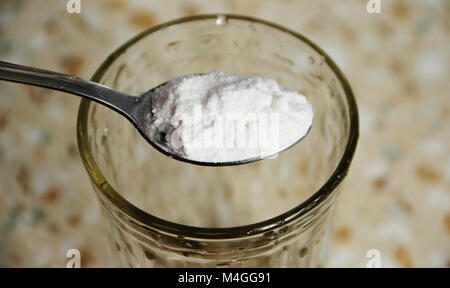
(272, 213)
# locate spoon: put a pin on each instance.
(132, 107)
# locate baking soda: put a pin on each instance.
(222, 117)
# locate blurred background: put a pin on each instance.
(397, 195)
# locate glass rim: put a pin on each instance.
(224, 232)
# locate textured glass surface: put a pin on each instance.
(226, 196)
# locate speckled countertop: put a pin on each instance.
(397, 195)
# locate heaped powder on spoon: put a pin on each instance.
(222, 117)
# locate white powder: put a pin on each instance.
(221, 117)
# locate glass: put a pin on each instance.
(272, 213)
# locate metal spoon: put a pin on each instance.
(132, 107)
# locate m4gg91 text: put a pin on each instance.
(245, 277)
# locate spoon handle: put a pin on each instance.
(121, 102)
